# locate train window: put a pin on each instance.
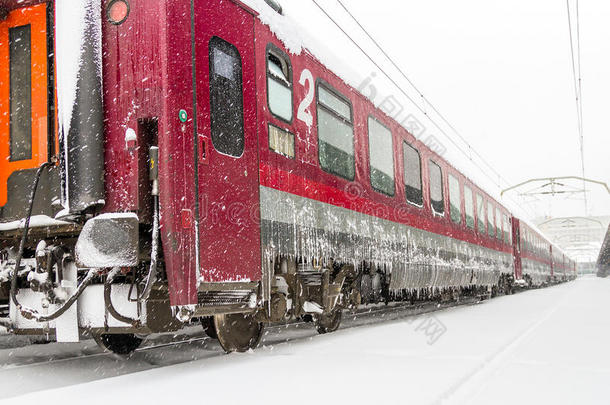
(381, 153)
(491, 230)
(481, 214)
(506, 229)
(20, 65)
(226, 98)
(469, 206)
(412, 167)
(498, 224)
(455, 200)
(436, 189)
(279, 84)
(335, 133)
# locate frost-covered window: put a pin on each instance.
(469, 207)
(498, 224)
(381, 153)
(281, 141)
(481, 214)
(335, 133)
(507, 232)
(491, 229)
(455, 200)
(226, 98)
(279, 84)
(436, 189)
(412, 167)
(20, 72)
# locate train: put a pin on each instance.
(168, 162)
(603, 259)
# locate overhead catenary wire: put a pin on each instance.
(577, 78)
(422, 96)
(422, 109)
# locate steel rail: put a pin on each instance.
(367, 311)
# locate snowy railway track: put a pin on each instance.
(350, 320)
(368, 315)
(58, 365)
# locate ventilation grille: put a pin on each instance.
(223, 298)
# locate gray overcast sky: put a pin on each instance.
(500, 71)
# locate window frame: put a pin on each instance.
(480, 201)
(421, 179)
(500, 228)
(473, 205)
(491, 221)
(272, 48)
(15, 154)
(220, 40)
(507, 231)
(460, 194)
(336, 93)
(368, 124)
(434, 212)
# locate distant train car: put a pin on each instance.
(603, 260)
(533, 256)
(184, 165)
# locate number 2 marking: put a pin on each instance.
(303, 113)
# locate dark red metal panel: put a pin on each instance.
(144, 79)
(176, 154)
(133, 90)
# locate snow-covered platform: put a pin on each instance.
(543, 346)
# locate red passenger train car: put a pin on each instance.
(165, 161)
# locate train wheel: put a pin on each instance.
(123, 344)
(328, 323)
(238, 332)
(208, 327)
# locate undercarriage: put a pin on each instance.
(73, 285)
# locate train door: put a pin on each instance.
(228, 151)
(24, 88)
(517, 248)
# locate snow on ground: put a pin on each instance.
(543, 346)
